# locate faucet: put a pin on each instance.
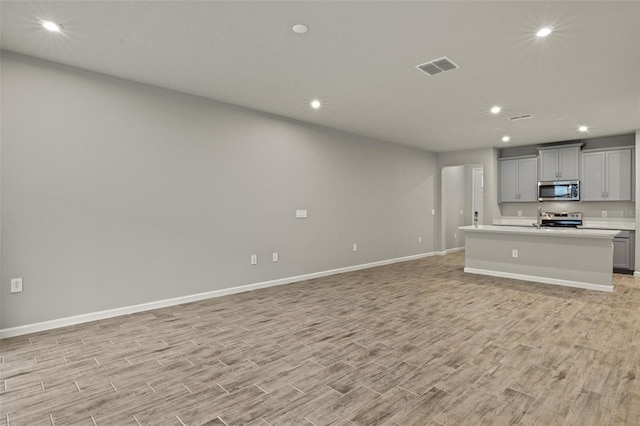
(538, 223)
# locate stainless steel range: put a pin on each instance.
(561, 219)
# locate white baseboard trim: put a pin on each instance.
(447, 251)
(636, 273)
(544, 280)
(126, 310)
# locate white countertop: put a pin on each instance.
(532, 230)
(514, 221)
(621, 224)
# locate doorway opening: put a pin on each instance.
(462, 196)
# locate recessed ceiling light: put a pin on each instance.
(315, 104)
(300, 28)
(51, 26)
(495, 109)
(506, 138)
(583, 128)
(545, 31)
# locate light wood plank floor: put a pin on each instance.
(416, 343)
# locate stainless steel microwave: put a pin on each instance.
(559, 190)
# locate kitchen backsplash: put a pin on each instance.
(622, 209)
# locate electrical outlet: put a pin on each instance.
(514, 253)
(433, 212)
(519, 213)
(355, 247)
(254, 259)
(605, 213)
(419, 239)
(16, 285)
(461, 212)
(274, 256)
(455, 235)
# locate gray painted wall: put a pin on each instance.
(116, 193)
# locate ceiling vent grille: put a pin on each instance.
(521, 117)
(437, 66)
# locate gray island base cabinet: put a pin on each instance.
(580, 258)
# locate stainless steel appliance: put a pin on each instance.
(561, 219)
(559, 190)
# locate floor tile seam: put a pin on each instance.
(444, 409)
(410, 391)
(310, 422)
(495, 394)
(504, 403)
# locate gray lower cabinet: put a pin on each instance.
(624, 250)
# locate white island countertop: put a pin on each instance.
(622, 224)
(544, 231)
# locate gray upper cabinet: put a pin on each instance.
(559, 163)
(606, 175)
(518, 180)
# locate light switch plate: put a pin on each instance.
(301, 214)
(16, 285)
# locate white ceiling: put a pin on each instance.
(359, 56)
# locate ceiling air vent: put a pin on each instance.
(437, 66)
(521, 117)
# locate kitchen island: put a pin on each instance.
(570, 257)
